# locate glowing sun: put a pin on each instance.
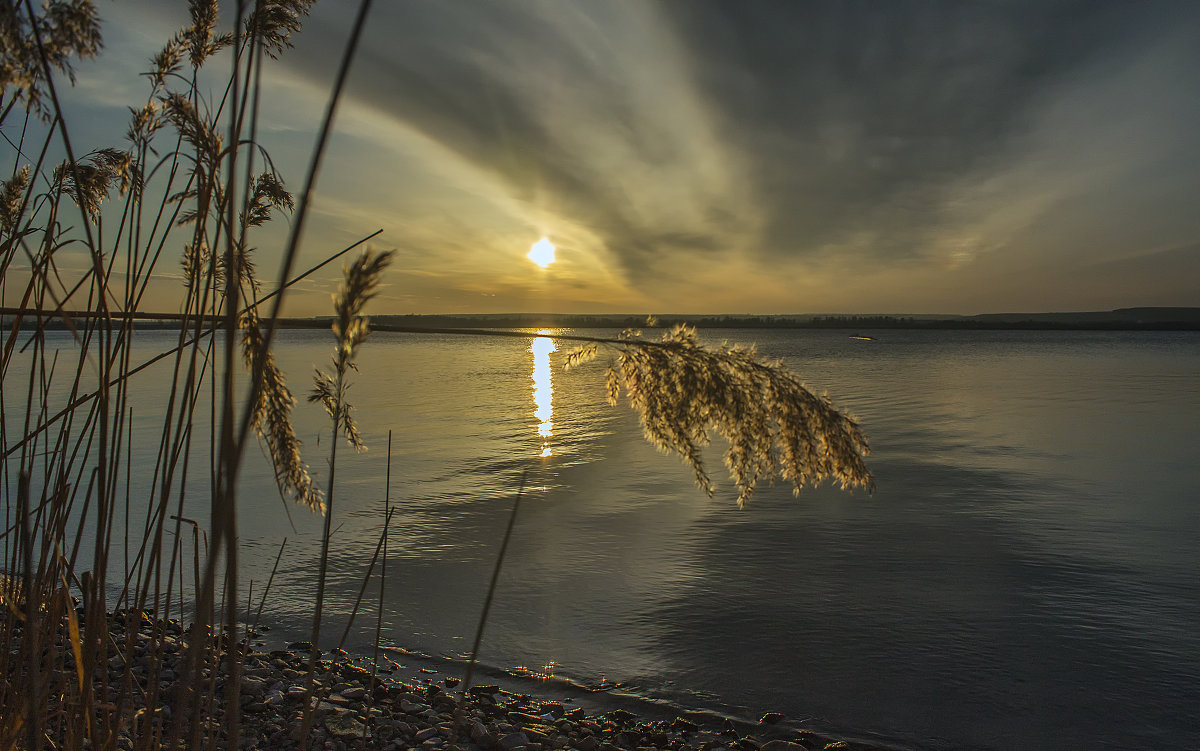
(542, 253)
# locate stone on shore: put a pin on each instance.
(353, 702)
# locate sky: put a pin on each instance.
(760, 156)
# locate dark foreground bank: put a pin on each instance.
(359, 706)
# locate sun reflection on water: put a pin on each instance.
(543, 389)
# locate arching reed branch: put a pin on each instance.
(775, 427)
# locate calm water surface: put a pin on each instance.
(1024, 576)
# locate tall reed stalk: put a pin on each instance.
(350, 330)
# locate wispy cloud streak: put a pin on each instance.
(787, 155)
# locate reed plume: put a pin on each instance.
(350, 328)
(683, 392)
(12, 200)
(272, 419)
(169, 60)
(199, 38)
(274, 22)
(65, 29)
(89, 181)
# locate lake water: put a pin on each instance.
(1023, 577)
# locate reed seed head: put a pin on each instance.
(350, 328)
(274, 22)
(774, 426)
(89, 180)
(272, 419)
(167, 61)
(267, 193)
(12, 197)
(66, 29)
(199, 37)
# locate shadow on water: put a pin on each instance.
(934, 622)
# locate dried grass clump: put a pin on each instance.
(775, 427)
(191, 175)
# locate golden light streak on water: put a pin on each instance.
(544, 673)
(543, 390)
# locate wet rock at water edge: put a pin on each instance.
(552, 708)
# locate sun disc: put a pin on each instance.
(542, 253)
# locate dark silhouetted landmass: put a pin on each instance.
(1122, 319)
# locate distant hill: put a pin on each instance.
(1122, 319)
(1147, 318)
(1121, 315)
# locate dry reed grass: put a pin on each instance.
(181, 180)
(773, 425)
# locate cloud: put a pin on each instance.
(865, 122)
(579, 113)
(904, 134)
(695, 153)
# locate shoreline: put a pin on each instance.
(396, 710)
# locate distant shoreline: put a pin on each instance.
(1124, 319)
(1134, 319)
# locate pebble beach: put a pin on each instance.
(361, 706)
